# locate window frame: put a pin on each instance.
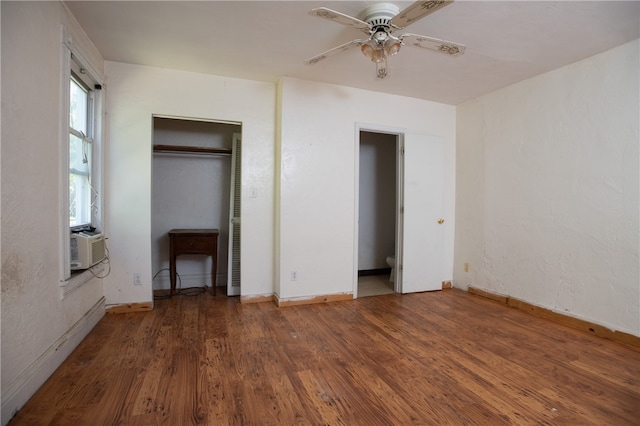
(75, 63)
(76, 72)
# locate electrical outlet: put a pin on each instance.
(294, 275)
(466, 267)
(137, 278)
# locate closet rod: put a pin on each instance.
(191, 149)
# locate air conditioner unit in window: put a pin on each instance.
(86, 250)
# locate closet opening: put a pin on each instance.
(195, 187)
(377, 213)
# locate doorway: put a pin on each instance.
(377, 213)
(419, 205)
(191, 189)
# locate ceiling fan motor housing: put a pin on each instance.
(379, 15)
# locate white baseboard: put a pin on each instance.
(29, 381)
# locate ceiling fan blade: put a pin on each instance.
(416, 11)
(340, 18)
(442, 46)
(333, 51)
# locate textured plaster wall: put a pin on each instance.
(136, 93)
(317, 173)
(33, 314)
(547, 190)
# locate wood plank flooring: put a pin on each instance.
(445, 358)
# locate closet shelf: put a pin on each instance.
(191, 149)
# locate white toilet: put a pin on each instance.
(391, 261)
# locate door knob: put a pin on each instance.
(440, 221)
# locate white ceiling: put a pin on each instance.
(262, 40)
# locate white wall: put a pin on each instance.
(548, 190)
(136, 93)
(39, 328)
(317, 157)
(377, 200)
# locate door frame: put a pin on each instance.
(399, 134)
(151, 153)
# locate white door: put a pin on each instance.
(422, 227)
(233, 267)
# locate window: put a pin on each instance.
(81, 164)
(80, 147)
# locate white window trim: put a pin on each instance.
(69, 283)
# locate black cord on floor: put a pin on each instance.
(193, 291)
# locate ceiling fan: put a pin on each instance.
(379, 22)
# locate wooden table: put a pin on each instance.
(193, 241)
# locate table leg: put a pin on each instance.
(172, 267)
(214, 269)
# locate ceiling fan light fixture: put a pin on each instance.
(379, 56)
(375, 51)
(392, 46)
(367, 50)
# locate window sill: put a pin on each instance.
(78, 279)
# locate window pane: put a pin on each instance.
(78, 155)
(79, 181)
(79, 208)
(78, 107)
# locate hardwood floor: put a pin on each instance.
(441, 358)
